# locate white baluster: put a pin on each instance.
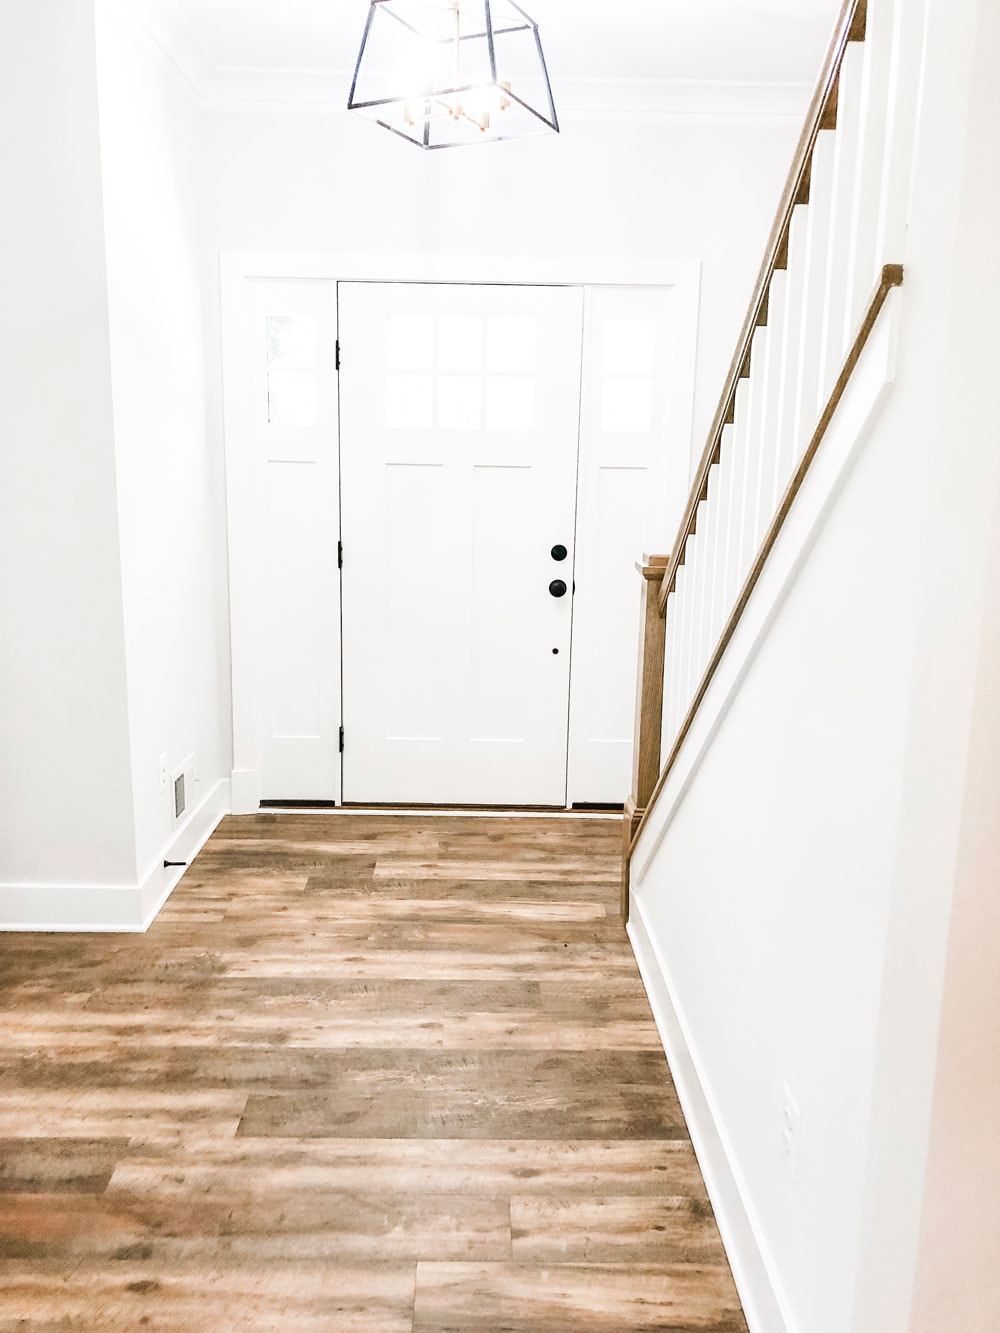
(669, 677)
(754, 446)
(814, 291)
(710, 559)
(846, 154)
(734, 570)
(790, 347)
(684, 576)
(875, 83)
(901, 129)
(767, 497)
(719, 609)
(697, 559)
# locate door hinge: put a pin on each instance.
(340, 555)
(337, 355)
(341, 740)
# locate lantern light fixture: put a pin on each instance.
(443, 73)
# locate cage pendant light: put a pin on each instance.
(442, 73)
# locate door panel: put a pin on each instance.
(631, 464)
(459, 428)
(293, 442)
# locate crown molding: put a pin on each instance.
(686, 98)
(688, 101)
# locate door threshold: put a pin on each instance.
(437, 811)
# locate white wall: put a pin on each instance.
(170, 475)
(930, 1262)
(768, 899)
(112, 531)
(65, 792)
(957, 1273)
(827, 880)
(327, 182)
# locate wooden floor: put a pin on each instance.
(381, 1073)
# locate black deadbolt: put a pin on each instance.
(557, 588)
(559, 553)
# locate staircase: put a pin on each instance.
(826, 275)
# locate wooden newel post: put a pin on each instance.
(648, 706)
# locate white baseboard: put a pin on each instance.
(114, 908)
(750, 1269)
(70, 907)
(160, 881)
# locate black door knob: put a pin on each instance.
(559, 553)
(557, 588)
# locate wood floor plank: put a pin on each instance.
(578, 870)
(248, 1223)
(115, 1112)
(457, 1297)
(495, 1168)
(355, 1298)
(301, 999)
(375, 907)
(550, 1229)
(476, 1094)
(505, 893)
(363, 1072)
(58, 1165)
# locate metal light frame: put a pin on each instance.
(424, 118)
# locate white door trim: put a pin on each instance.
(236, 267)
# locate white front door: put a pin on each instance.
(459, 435)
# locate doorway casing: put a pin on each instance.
(239, 269)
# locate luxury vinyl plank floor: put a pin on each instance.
(363, 1073)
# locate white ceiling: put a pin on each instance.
(699, 41)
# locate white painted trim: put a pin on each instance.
(751, 1271)
(101, 908)
(245, 786)
(580, 102)
(866, 393)
(682, 272)
(688, 101)
(113, 908)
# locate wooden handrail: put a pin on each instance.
(821, 115)
(892, 276)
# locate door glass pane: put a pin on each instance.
(510, 402)
(510, 344)
(460, 402)
(409, 402)
(291, 341)
(460, 343)
(409, 342)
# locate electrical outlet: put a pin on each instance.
(163, 772)
(791, 1128)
